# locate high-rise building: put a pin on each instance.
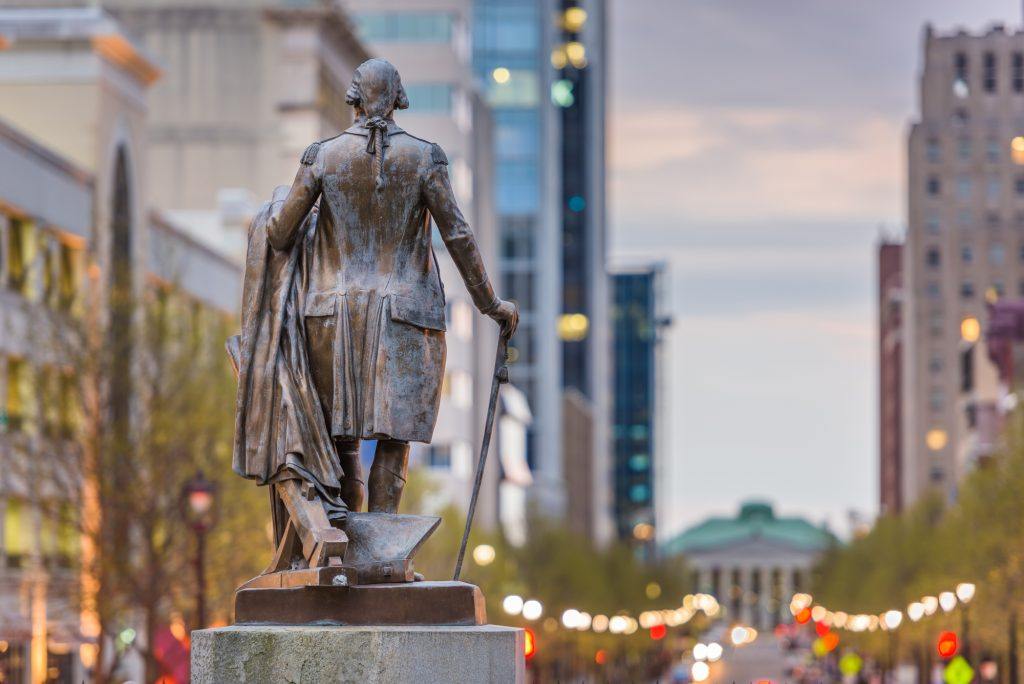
(578, 93)
(429, 43)
(890, 360)
(638, 320)
(964, 246)
(247, 87)
(512, 42)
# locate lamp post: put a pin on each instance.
(965, 592)
(198, 497)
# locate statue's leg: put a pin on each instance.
(387, 476)
(322, 544)
(352, 483)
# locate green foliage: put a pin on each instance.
(932, 547)
(562, 570)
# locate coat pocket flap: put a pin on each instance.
(321, 304)
(408, 310)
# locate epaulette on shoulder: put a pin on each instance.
(309, 156)
(437, 155)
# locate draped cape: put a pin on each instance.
(280, 431)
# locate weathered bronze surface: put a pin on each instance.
(415, 603)
(343, 323)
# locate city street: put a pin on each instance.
(759, 661)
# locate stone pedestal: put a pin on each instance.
(367, 655)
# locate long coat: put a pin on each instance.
(374, 311)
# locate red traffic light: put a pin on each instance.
(531, 643)
(947, 645)
(658, 632)
(821, 628)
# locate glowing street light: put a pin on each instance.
(700, 652)
(700, 671)
(931, 604)
(714, 651)
(532, 609)
(570, 618)
(893, 619)
(947, 601)
(513, 604)
(484, 554)
(965, 592)
(915, 611)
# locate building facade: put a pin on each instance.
(964, 246)
(638, 321)
(578, 93)
(511, 47)
(754, 562)
(890, 360)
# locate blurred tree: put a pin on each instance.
(137, 439)
(934, 546)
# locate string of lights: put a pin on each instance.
(804, 610)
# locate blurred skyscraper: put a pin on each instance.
(542, 64)
(964, 247)
(638, 429)
(890, 361)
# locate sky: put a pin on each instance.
(757, 148)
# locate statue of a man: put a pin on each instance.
(343, 319)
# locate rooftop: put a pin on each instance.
(756, 520)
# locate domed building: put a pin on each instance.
(753, 562)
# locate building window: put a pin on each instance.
(1020, 288)
(992, 150)
(405, 27)
(936, 400)
(1018, 72)
(20, 400)
(933, 150)
(963, 188)
(996, 254)
(966, 254)
(988, 63)
(933, 289)
(992, 220)
(999, 288)
(960, 66)
(963, 149)
(21, 249)
(932, 257)
(963, 218)
(993, 188)
(439, 456)
(933, 225)
(935, 364)
(967, 290)
(17, 532)
(933, 186)
(430, 98)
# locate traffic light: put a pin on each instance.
(658, 632)
(948, 644)
(531, 643)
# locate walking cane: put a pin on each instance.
(500, 378)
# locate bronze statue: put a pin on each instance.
(343, 328)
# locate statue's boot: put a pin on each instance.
(387, 476)
(352, 484)
(322, 544)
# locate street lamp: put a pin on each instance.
(965, 592)
(198, 497)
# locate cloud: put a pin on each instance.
(718, 164)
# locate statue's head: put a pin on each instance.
(377, 89)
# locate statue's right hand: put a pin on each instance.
(507, 316)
